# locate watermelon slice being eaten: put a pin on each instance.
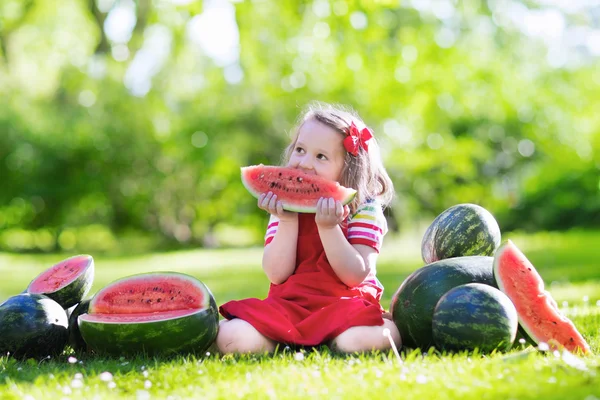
(298, 191)
(537, 311)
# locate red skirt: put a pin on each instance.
(312, 306)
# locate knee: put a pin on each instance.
(367, 338)
(238, 336)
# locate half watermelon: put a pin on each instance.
(538, 313)
(66, 282)
(158, 312)
(297, 190)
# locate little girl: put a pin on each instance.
(321, 266)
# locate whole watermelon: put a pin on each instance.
(461, 230)
(413, 303)
(474, 316)
(32, 326)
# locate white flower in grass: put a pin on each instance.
(422, 379)
(299, 356)
(147, 384)
(67, 390)
(145, 374)
(542, 346)
(142, 395)
(72, 360)
(106, 376)
(78, 375)
(111, 385)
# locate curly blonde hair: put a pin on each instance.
(364, 172)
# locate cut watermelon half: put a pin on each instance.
(297, 190)
(538, 313)
(156, 312)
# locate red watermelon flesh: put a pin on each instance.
(60, 275)
(537, 311)
(150, 293)
(297, 190)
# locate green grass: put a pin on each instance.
(567, 262)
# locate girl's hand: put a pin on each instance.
(330, 213)
(268, 202)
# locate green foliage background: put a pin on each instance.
(467, 106)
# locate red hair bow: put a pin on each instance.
(356, 139)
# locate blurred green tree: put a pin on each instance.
(126, 119)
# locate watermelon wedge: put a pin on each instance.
(537, 311)
(297, 190)
(66, 282)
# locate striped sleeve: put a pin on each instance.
(368, 225)
(271, 229)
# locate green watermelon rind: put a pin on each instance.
(474, 316)
(347, 194)
(192, 333)
(72, 292)
(32, 326)
(415, 300)
(461, 230)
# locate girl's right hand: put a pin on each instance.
(269, 203)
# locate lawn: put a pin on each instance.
(568, 262)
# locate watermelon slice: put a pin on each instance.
(537, 311)
(66, 282)
(157, 312)
(297, 190)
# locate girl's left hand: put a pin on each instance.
(330, 213)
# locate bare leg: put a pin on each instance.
(238, 336)
(366, 338)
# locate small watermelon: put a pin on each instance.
(413, 303)
(474, 316)
(32, 325)
(297, 190)
(152, 313)
(538, 313)
(461, 230)
(66, 282)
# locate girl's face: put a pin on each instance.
(319, 150)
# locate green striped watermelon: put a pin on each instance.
(413, 303)
(538, 313)
(66, 282)
(461, 230)
(297, 190)
(32, 325)
(152, 313)
(474, 316)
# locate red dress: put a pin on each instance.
(312, 306)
